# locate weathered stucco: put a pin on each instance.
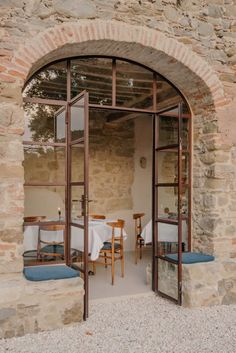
(192, 45)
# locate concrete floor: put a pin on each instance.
(134, 281)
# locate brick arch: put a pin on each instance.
(186, 70)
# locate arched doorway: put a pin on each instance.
(60, 101)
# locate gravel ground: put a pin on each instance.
(138, 324)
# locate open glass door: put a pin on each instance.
(171, 194)
(77, 187)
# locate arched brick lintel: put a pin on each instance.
(193, 76)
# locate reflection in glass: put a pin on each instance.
(167, 162)
(44, 164)
(168, 278)
(49, 83)
(168, 131)
(44, 123)
(44, 201)
(168, 203)
(77, 121)
(95, 76)
(77, 162)
(77, 204)
(134, 86)
(167, 95)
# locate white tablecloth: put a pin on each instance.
(99, 232)
(166, 232)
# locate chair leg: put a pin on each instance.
(112, 269)
(94, 267)
(136, 253)
(140, 250)
(105, 259)
(122, 264)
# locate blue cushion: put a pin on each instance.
(46, 273)
(53, 249)
(107, 246)
(191, 257)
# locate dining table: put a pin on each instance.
(98, 232)
(166, 232)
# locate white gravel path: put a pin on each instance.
(138, 324)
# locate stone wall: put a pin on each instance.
(30, 307)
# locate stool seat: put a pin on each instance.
(191, 257)
(47, 273)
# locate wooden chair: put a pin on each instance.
(113, 250)
(97, 216)
(51, 249)
(34, 219)
(139, 241)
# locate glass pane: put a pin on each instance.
(44, 123)
(167, 162)
(49, 83)
(134, 86)
(167, 203)
(77, 162)
(48, 201)
(166, 94)
(44, 164)
(95, 76)
(168, 131)
(77, 209)
(77, 120)
(77, 246)
(185, 133)
(168, 278)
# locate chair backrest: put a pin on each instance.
(34, 218)
(138, 222)
(98, 216)
(50, 228)
(120, 223)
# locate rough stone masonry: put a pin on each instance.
(191, 43)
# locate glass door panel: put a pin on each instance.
(171, 206)
(77, 195)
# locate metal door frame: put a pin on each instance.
(179, 184)
(82, 183)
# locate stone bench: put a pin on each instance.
(27, 307)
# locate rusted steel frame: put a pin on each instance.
(189, 155)
(154, 92)
(122, 109)
(113, 82)
(77, 225)
(77, 142)
(166, 296)
(166, 185)
(86, 200)
(46, 144)
(175, 262)
(154, 207)
(43, 223)
(77, 183)
(45, 184)
(172, 146)
(180, 130)
(167, 221)
(45, 101)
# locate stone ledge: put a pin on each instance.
(27, 307)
